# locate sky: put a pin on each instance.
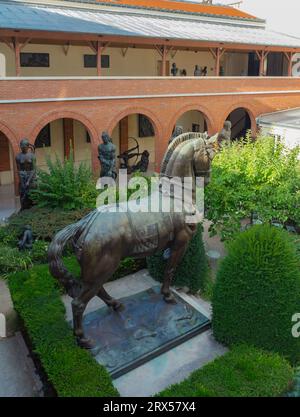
(281, 15)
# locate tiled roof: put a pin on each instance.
(85, 21)
(182, 6)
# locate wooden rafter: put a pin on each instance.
(124, 51)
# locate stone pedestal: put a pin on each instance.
(8, 316)
(143, 330)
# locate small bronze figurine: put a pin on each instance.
(197, 72)
(174, 70)
(204, 71)
(27, 239)
(224, 137)
(107, 157)
(26, 166)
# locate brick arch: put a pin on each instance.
(11, 136)
(65, 114)
(247, 108)
(211, 125)
(137, 110)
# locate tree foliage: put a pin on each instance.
(261, 176)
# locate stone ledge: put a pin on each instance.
(9, 322)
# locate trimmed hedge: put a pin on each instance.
(257, 292)
(72, 371)
(242, 372)
(192, 271)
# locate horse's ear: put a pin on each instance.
(213, 139)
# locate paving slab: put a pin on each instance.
(170, 367)
(17, 372)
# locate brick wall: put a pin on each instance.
(27, 119)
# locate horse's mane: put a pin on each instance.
(184, 137)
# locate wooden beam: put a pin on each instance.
(8, 43)
(17, 57)
(22, 46)
(262, 55)
(124, 51)
(99, 55)
(138, 41)
(66, 48)
(289, 57)
(68, 132)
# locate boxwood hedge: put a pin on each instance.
(71, 370)
(257, 292)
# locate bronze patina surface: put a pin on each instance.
(103, 238)
(143, 330)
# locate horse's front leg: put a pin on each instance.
(177, 252)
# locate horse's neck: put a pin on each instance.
(181, 167)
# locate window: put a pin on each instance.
(43, 139)
(90, 61)
(30, 59)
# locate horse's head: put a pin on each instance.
(205, 150)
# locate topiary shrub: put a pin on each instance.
(257, 292)
(191, 272)
(243, 372)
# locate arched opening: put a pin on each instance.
(241, 123)
(8, 202)
(61, 138)
(192, 121)
(134, 135)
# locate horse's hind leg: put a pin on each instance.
(78, 306)
(109, 301)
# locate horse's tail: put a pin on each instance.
(55, 251)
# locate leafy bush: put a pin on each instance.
(242, 372)
(65, 186)
(192, 270)
(257, 292)
(11, 260)
(72, 371)
(253, 177)
(45, 222)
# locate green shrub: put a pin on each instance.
(242, 372)
(45, 222)
(192, 270)
(12, 260)
(257, 292)
(72, 371)
(260, 176)
(65, 186)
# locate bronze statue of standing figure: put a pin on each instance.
(107, 157)
(104, 237)
(26, 166)
(224, 137)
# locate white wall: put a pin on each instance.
(190, 117)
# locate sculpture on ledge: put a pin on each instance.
(177, 132)
(224, 137)
(26, 166)
(26, 241)
(107, 157)
(111, 233)
(174, 70)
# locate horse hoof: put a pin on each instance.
(85, 343)
(118, 306)
(170, 299)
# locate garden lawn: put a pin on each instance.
(71, 370)
(242, 372)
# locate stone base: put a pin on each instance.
(146, 328)
(9, 323)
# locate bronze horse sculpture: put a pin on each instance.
(103, 238)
